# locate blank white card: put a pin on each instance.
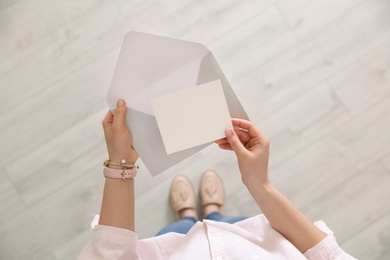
(193, 116)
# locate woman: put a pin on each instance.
(283, 232)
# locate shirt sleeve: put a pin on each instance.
(327, 249)
(111, 243)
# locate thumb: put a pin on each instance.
(235, 142)
(119, 115)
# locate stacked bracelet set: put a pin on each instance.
(127, 171)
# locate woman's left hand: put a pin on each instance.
(118, 138)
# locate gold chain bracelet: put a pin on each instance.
(108, 162)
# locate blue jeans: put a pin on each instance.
(185, 224)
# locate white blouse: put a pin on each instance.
(252, 238)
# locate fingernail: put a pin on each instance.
(228, 132)
(120, 103)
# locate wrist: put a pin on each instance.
(129, 158)
(260, 189)
(120, 169)
(123, 174)
(122, 164)
(119, 164)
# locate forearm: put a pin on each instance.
(118, 204)
(286, 218)
(118, 196)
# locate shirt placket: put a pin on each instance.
(217, 247)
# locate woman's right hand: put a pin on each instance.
(252, 150)
(251, 147)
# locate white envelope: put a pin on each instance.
(151, 66)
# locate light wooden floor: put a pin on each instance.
(313, 74)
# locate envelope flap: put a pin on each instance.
(145, 59)
(209, 70)
(183, 77)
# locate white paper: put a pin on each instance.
(150, 66)
(191, 117)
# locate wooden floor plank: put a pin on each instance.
(73, 46)
(302, 122)
(348, 208)
(10, 202)
(306, 17)
(217, 18)
(307, 64)
(336, 158)
(372, 242)
(61, 160)
(386, 162)
(252, 43)
(7, 3)
(54, 220)
(35, 20)
(366, 82)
